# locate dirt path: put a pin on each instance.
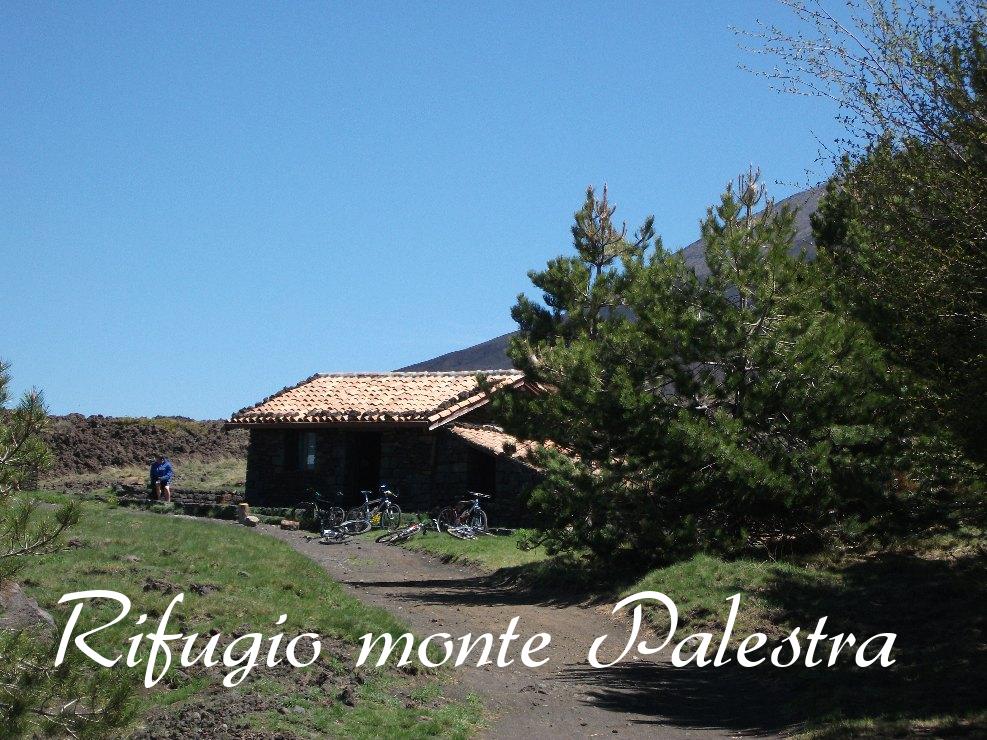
(565, 697)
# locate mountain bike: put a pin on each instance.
(333, 536)
(464, 532)
(345, 529)
(465, 513)
(381, 512)
(404, 533)
(323, 514)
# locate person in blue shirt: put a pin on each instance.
(161, 475)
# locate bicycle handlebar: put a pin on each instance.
(384, 491)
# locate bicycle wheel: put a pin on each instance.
(406, 533)
(403, 535)
(390, 518)
(355, 526)
(360, 513)
(447, 518)
(389, 537)
(462, 533)
(332, 536)
(478, 520)
(336, 516)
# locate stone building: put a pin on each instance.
(426, 435)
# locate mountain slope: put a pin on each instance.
(806, 203)
(488, 355)
(492, 354)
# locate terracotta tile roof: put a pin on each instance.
(493, 439)
(422, 398)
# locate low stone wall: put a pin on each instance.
(182, 496)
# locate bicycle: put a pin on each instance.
(333, 536)
(324, 515)
(465, 513)
(403, 534)
(344, 530)
(464, 532)
(381, 511)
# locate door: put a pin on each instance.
(362, 462)
(481, 470)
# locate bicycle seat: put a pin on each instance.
(478, 495)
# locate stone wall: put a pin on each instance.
(407, 467)
(182, 496)
(269, 481)
(514, 483)
(426, 469)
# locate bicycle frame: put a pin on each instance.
(466, 511)
(321, 508)
(471, 506)
(378, 505)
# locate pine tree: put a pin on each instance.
(732, 412)
(36, 698)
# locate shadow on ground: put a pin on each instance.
(937, 608)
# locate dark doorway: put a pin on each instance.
(481, 472)
(362, 462)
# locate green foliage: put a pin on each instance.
(904, 228)
(903, 220)
(23, 453)
(737, 412)
(35, 696)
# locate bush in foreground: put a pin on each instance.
(35, 696)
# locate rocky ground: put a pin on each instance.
(219, 713)
(88, 444)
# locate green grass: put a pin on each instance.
(489, 553)
(381, 710)
(223, 473)
(701, 586)
(972, 724)
(246, 581)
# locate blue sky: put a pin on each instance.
(202, 203)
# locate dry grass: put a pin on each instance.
(190, 472)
